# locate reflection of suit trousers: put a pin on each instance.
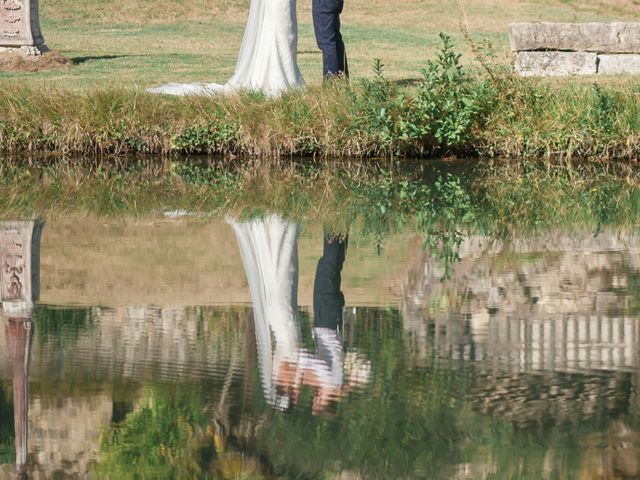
(326, 22)
(328, 300)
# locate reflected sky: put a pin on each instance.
(283, 351)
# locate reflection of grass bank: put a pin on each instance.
(7, 433)
(530, 197)
(450, 110)
(378, 199)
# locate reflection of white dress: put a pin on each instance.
(268, 56)
(269, 250)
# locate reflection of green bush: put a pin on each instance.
(517, 452)
(539, 451)
(382, 435)
(59, 326)
(7, 432)
(166, 437)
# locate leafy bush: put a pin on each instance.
(604, 111)
(447, 104)
(210, 137)
(441, 115)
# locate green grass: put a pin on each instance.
(449, 109)
(118, 48)
(140, 43)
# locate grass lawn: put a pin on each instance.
(140, 43)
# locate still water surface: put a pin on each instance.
(189, 349)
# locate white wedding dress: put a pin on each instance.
(268, 60)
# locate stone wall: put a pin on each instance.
(559, 49)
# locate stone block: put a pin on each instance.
(619, 64)
(20, 26)
(550, 64)
(616, 37)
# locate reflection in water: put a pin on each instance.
(551, 329)
(326, 374)
(19, 289)
(524, 364)
(269, 253)
(531, 306)
(270, 257)
(18, 338)
(20, 266)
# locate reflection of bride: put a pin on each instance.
(269, 252)
(268, 55)
(270, 257)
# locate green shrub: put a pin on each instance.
(447, 104)
(374, 109)
(211, 137)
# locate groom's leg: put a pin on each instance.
(326, 22)
(343, 67)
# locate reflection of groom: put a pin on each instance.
(325, 370)
(328, 299)
(328, 306)
(326, 22)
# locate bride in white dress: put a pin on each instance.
(268, 60)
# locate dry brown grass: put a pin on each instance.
(409, 13)
(16, 62)
(178, 255)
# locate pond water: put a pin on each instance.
(185, 348)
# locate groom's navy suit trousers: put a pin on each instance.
(326, 22)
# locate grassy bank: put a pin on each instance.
(450, 110)
(373, 201)
(118, 48)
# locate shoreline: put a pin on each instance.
(474, 118)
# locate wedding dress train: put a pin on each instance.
(268, 56)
